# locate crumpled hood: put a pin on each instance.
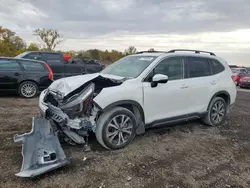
(69, 84)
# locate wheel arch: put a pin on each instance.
(128, 104)
(28, 80)
(223, 94)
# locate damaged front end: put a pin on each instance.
(66, 116)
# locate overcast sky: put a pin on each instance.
(221, 26)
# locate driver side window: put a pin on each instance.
(172, 67)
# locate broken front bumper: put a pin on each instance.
(41, 149)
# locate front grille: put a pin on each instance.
(54, 116)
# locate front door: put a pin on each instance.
(167, 100)
(10, 74)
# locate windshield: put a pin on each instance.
(129, 66)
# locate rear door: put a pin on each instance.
(10, 74)
(37, 72)
(201, 83)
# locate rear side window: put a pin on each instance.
(9, 65)
(32, 66)
(216, 66)
(52, 58)
(198, 67)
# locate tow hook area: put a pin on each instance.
(41, 149)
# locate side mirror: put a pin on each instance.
(159, 78)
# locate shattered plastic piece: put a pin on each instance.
(41, 150)
(86, 148)
(85, 158)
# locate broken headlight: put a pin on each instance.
(74, 109)
(79, 103)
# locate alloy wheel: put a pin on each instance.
(218, 112)
(119, 130)
(28, 90)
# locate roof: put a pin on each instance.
(23, 59)
(148, 54)
(43, 52)
(178, 52)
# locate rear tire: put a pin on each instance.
(116, 128)
(216, 112)
(28, 89)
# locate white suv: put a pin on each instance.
(143, 90)
(140, 91)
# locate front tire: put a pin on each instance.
(28, 89)
(216, 112)
(116, 128)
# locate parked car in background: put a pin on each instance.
(26, 77)
(233, 66)
(245, 81)
(59, 66)
(234, 70)
(88, 62)
(238, 73)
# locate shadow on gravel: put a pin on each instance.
(9, 95)
(186, 127)
(12, 95)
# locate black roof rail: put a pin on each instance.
(196, 51)
(150, 51)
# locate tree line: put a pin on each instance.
(11, 45)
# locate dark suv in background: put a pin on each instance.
(60, 67)
(26, 77)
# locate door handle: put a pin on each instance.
(184, 86)
(17, 74)
(213, 82)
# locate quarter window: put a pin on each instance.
(172, 67)
(32, 66)
(216, 66)
(6, 65)
(198, 67)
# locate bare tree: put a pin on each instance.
(51, 38)
(130, 50)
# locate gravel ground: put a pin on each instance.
(187, 155)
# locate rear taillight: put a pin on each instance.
(50, 75)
